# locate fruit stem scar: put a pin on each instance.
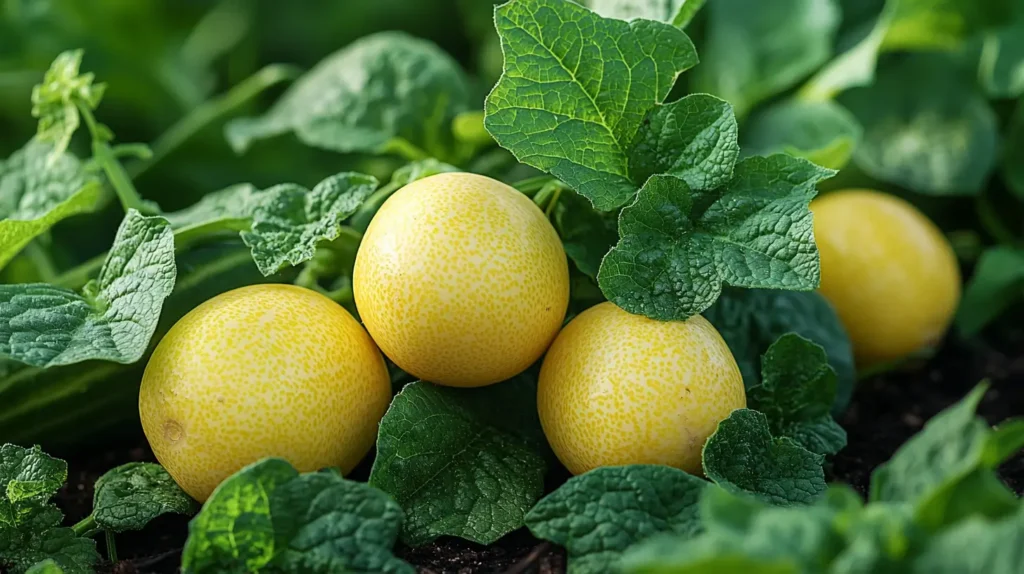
(173, 431)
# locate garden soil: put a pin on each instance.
(886, 410)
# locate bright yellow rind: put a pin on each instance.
(265, 370)
(889, 272)
(461, 280)
(617, 388)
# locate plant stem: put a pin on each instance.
(104, 156)
(212, 110)
(402, 147)
(553, 202)
(360, 220)
(87, 524)
(111, 547)
(532, 185)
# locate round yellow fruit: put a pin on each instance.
(265, 370)
(617, 388)
(888, 271)
(461, 280)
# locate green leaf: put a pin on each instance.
(950, 446)
(679, 13)
(796, 395)
(1001, 67)
(461, 462)
(976, 546)
(750, 320)
(754, 538)
(36, 193)
(997, 284)
(30, 530)
(233, 531)
(28, 475)
(925, 127)
(822, 132)
(289, 223)
(678, 247)
(904, 25)
(113, 318)
(694, 139)
(743, 456)
(381, 93)
(131, 495)
(55, 101)
(608, 75)
(324, 523)
(587, 234)
(268, 518)
(758, 48)
(229, 209)
(596, 516)
(47, 566)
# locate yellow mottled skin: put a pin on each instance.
(265, 370)
(889, 272)
(617, 388)
(461, 280)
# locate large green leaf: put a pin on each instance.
(925, 127)
(462, 462)
(129, 496)
(378, 94)
(268, 518)
(576, 88)
(112, 319)
(36, 193)
(743, 456)
(598, 515)
(679, 246)
(822, 132)
(758, 48)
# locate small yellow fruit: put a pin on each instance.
(617, 388)
(889, 272)
(265, 370)
(461, 280)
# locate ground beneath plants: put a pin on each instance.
(886, 410)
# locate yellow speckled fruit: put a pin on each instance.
(265, 370)
(618, 388)
(461, 280)
(889, 272)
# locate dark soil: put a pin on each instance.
(886, 410)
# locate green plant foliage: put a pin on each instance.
(750, 320)
(383, 93)
(112, 318)
(37, 192)
(130, 496)
(584, 136)
(679, 13)
(758, 48)
(30, 530)
(678, 246)
(268, 517)
(599, 514)
(462, 462)
(824, 133)
(935, 133)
